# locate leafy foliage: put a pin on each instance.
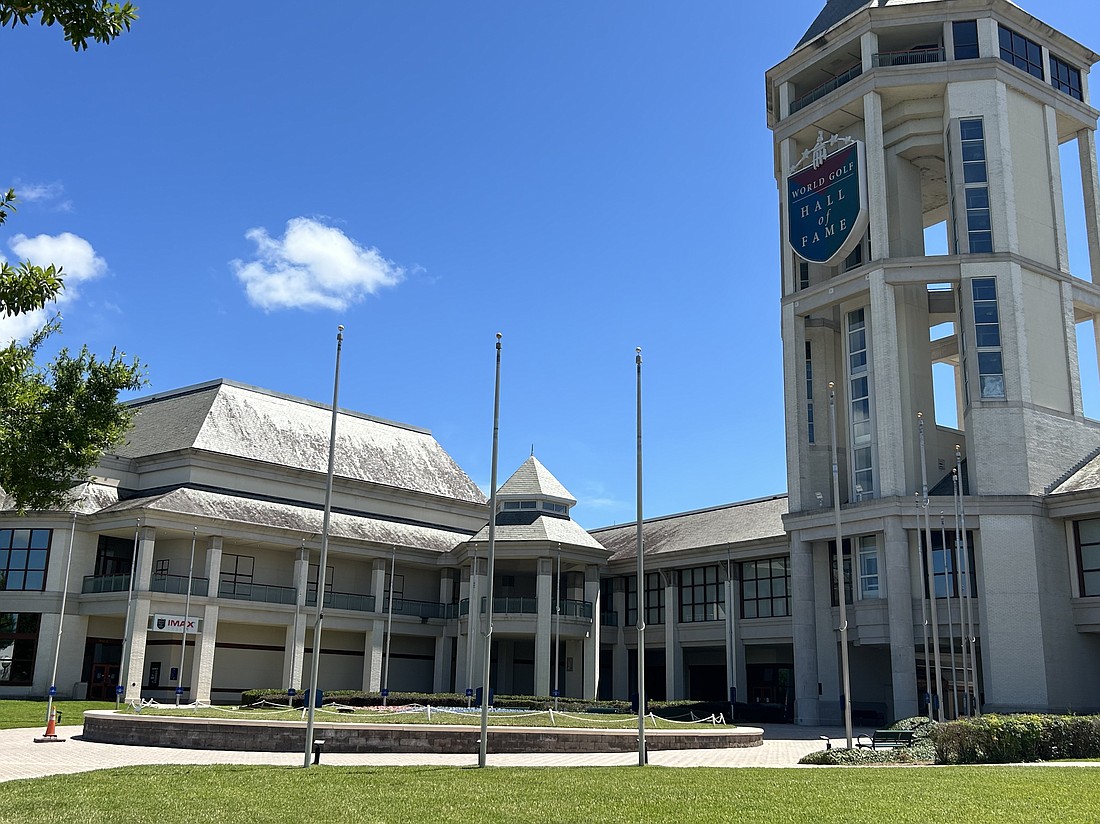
(81, 20)
(1013, 739)
(922, 750)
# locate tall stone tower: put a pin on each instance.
(895, 121)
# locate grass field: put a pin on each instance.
(442, 795)
(15, 714)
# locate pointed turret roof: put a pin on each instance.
(837, 10)
(533, 480)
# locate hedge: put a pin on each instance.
(1013, 739)
(921, 751)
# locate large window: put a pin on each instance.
(654, 599)
(236, 577)
(24, 554)
(987, 338)
(964, 34)
(949, 577)
(700, 595)
(1065, 78)
(18, 647)
(765, 588)
(848, 592)
(1087, 534)
(1022, 53)
(114, 556)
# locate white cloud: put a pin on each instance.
(312, 266)
(72, 253)
(20, 327)
(78, 261)
(38, 191)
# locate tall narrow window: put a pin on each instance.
(700, 595)
(987, 338)
(809, 394)
(803, 275)
(964, 33)
(979, 228)
(1087, 534)
(868, 567)
(859, 393)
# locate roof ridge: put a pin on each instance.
(669, 517)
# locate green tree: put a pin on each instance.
(56, 421)
(81, 20)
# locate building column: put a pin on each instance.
(620, 680)
(546, 598)
(592, 637)
(202, 664)
(1090, 188)
(295, 647)
(462, 654)
(374, 638)
(876, 176)
(443, 648)
(899, 604)
(804, 631)
(476, 623)
(674, 655)
(137, 618)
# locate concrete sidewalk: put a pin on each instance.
(20, 757)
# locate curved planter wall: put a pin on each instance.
(107, 727)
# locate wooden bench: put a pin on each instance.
(887, 739)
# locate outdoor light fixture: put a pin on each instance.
(820, 499)
(859, 492)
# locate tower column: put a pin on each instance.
(1086, 149)
(545, 597)
(876, 176)
(899, 604)
(804, 630)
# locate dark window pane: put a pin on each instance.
(987, 336)
(971, 129)
(977, 198)
(974, 173)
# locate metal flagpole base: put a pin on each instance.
(49, 739)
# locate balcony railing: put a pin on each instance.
(826, 87)
(265, 593)
(912, 57)
(528, 606)
(609, 619)
(343, 600)
(576, 609)
(105, 583)
(417, 609)
(177, 585)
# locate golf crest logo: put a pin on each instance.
(827, 213)
(161, 622)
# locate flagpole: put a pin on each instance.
(389, 631)
(557, 634)
(472, 604)
(844, 664)
(639, 598)
(64, 597)
(931, 570)
(952, 579)
(964, 630)
(486, 670)
(972, 640)
(127, 629)
(315, 663)
(924, 612)
(186, 617)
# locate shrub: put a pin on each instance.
(922, 750)
(1011, 739)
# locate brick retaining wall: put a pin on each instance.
(107, 727)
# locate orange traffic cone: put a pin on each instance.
(51, 729)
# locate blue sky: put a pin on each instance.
(228, 186)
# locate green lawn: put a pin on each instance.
(440, 795)
(15, 714)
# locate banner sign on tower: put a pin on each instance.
(827, 211)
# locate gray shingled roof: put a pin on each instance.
(1084, 477)
(237, 510)
(756, 520)
(255, 424)
(544, 528)
(533, 480)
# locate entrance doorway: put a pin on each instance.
(102, 662)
